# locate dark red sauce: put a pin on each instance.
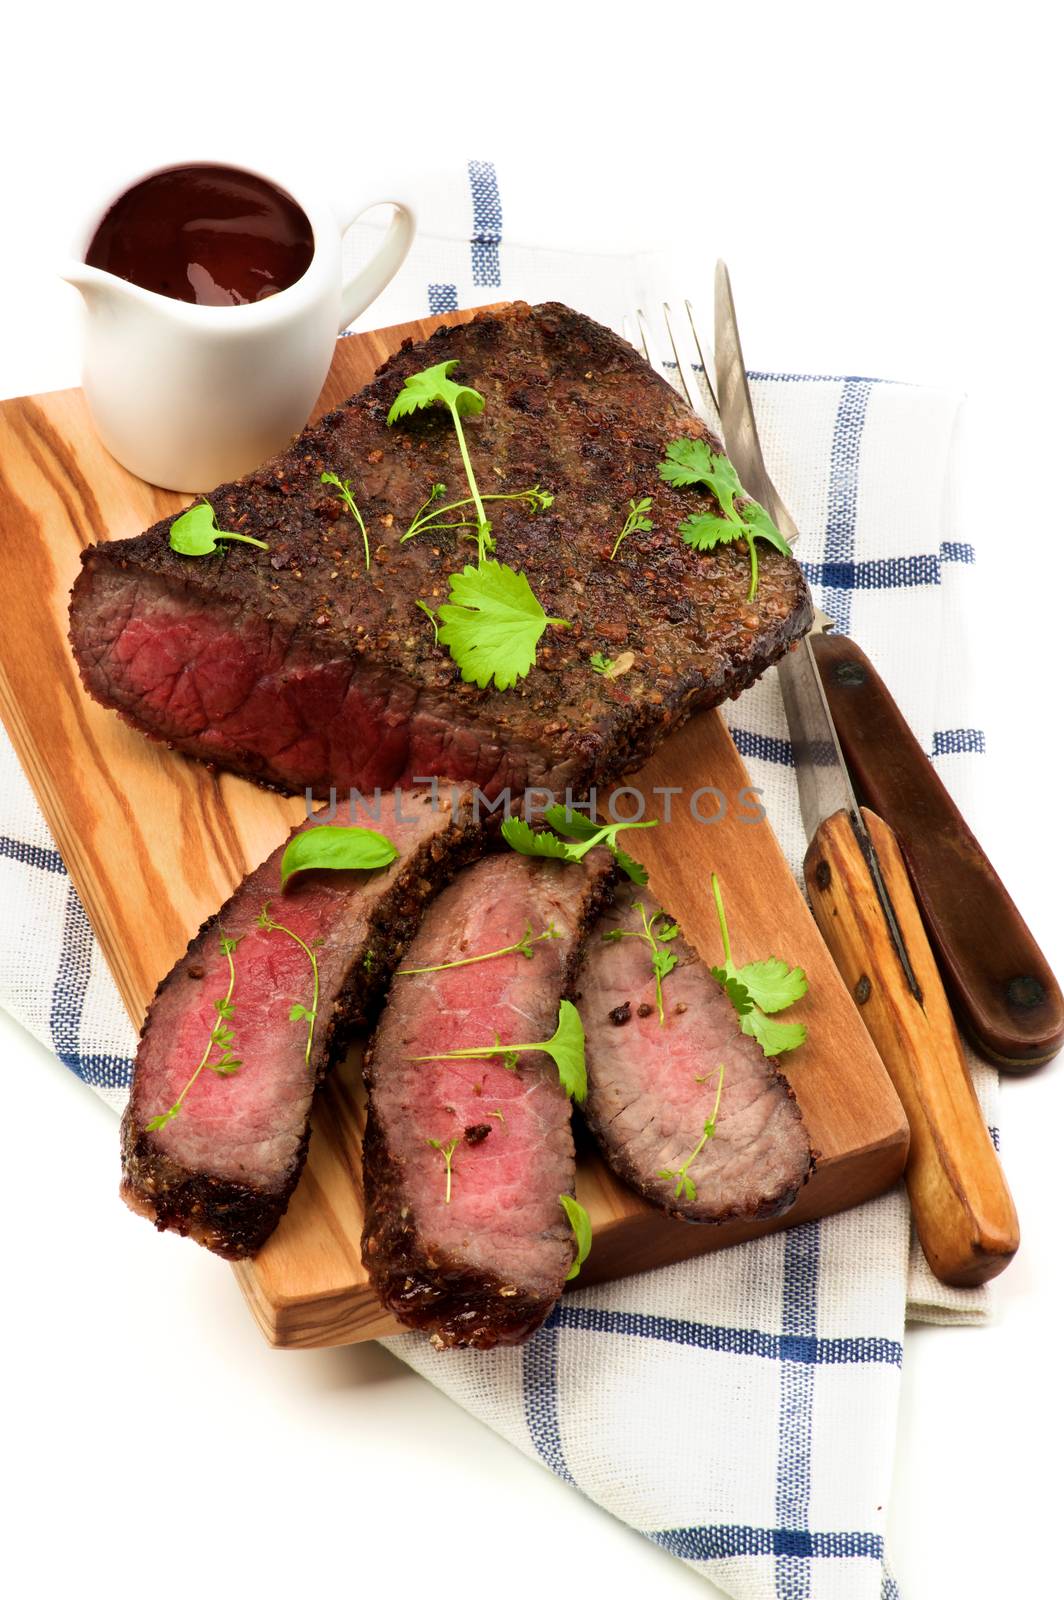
(214, 236)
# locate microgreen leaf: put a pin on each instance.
(298, 1012)
(424, 606)
(662, 962)
(689, 462)
(684, 1185)
(636, 521)
(196, 532)
(434, 386)
(493, 624)
(336, 848)
(580, 1223)
(565, 1048)
(348, 499)
(220, 1037)
(522, 947)
(760, 986)
(772, 984)
(447, 1152)
(527, 842)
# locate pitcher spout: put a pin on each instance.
(95, 286)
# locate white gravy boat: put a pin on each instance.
(188, 396)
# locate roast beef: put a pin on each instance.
(652, 1087)
(223, 1169)
(297, 668)
(480, 1259)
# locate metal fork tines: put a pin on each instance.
(688, 362)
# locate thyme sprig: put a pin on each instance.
(221, 1037)
(661, 961)
(298, 1012)
(523, 946)
(684, 1184)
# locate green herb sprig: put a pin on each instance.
(339, 849)
(221, 1038)
(447, 1152)
(493, 622)
(343, 487)
(428, 521)
(661, 961)
(520, 836)
(758, 988)
(690, 462)
(196, 532)
(565, 1048)
(684, 1185)
(298, 1012)
(580, 1223)
(522, 947)
(636, 521)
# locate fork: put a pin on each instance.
(1002, 988)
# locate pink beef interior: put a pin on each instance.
(504, 1216)
(250, 1126)
(651, 1088)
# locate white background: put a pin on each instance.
(885, 183)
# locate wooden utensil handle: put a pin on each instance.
(964, 1215)
(1003, 992)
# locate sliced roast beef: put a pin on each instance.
(652, 1087)
(222, 1169)
(464, 1160)
(298, 668)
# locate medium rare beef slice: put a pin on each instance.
(652, 1087)
(223, 1168)
(297, 668)
(465, 1236)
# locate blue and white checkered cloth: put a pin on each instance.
(739, 1409)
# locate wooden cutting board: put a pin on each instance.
(154, 843)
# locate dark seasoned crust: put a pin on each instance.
(230, 1217)
(569, 406)
(427, 1288)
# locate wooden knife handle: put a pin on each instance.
(1003, 992)
(964, 1215)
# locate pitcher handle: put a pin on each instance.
(365, 285)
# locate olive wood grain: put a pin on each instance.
(964, 1215)
(154, 843)
(1004, 994)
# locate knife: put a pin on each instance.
(864, 906)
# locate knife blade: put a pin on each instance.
(863, 903)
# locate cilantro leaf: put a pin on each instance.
(339, 849)
(773, 1037)
(704, 531)
(630, 866)
(580, 1223)
(527, 842)
(563, 819)
(737, 992)
(772, 984)
(756, 517)
(493, 624)
(196, 532)
(434, 386)
(690, 461)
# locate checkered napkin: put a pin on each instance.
(739, 1409)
